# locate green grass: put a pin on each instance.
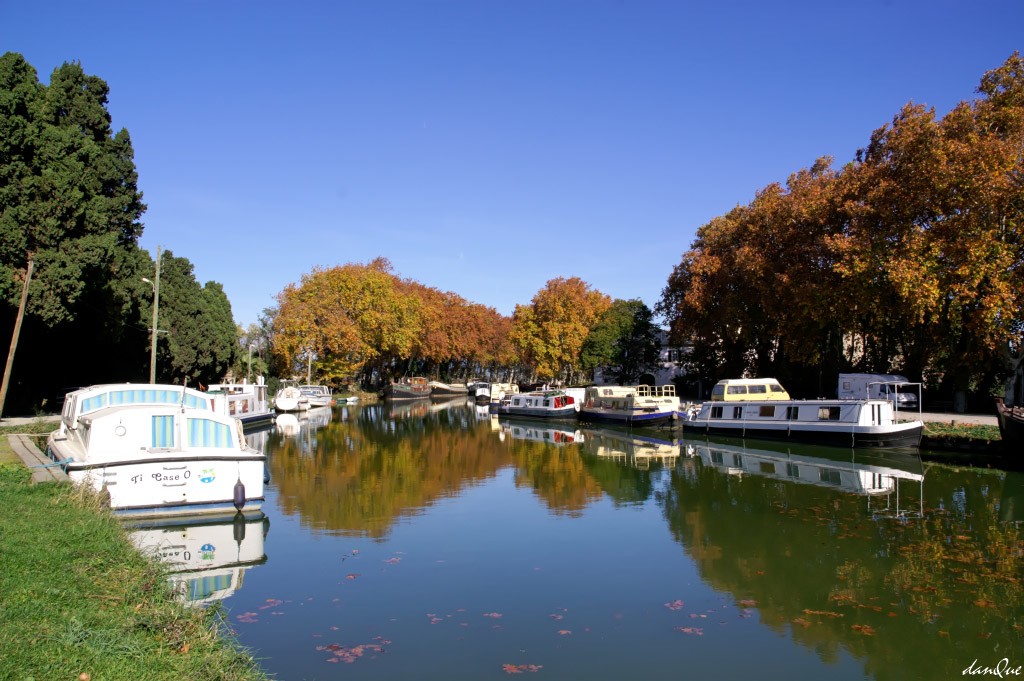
(78, 599)
(961, 431)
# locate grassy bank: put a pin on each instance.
(961, 431)
(79, 602)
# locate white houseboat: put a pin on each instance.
(497, 391)
(247, 402)
(845, 423)
(541, 404)
(641, 405)
(158, 450)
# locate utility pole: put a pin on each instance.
(156, 308)
(14, 337)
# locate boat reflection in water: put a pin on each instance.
(856, 471)
(207, 557)
(630, 448)
(531, 431)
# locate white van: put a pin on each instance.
(897, 389)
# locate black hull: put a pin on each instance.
(903, 438)
(1011, 426)
(395, 394)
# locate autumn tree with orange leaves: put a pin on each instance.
(363, 323)
(548, 334)
(908, 259)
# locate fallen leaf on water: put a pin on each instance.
(748, 603)
(674, 605)
(824, 613)
(352, 575)
(555, 616)
(393, 561)
(695, 631)
(494, 615)
(520, 668)
(864, 629)
(984, 603)
(802, 622)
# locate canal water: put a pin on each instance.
(427, 541)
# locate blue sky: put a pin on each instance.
(487, 146)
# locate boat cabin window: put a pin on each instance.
(162, 432)
(758, 390)
(737, 412)
(207, 433)
(776, 388)
(736, 390)
(830, 476)
(792, 470)
(766, 411)
(716, 412)
(828, 413)
(792, 413)
(767, 467)
(716, 457)
(718, 392)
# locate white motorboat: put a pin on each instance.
(157, 450)
(290, 398)
(317, 395)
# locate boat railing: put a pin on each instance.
(668, 390)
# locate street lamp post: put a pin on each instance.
(251, 346)
(156, 307)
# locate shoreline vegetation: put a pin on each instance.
(80, 601)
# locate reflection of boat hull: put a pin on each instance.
(525, 430)
(841, 423)
(630, 447)
(206, 557)
(287, 424)
(849, 470)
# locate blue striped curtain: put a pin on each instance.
(207, 433)
(163, 431)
